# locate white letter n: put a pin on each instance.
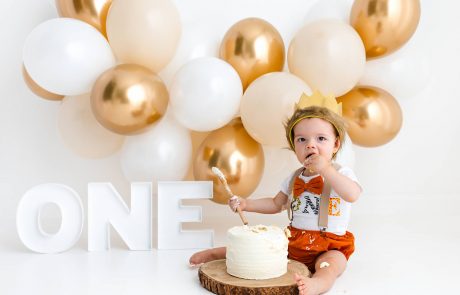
(106, 207)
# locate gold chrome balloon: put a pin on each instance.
(253, 47)
(384, 25)
(128, 98)
(373, 115)
(197, 138)
(94, 12)
(37, 89)
(236, 154)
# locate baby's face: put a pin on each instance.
(314, 136)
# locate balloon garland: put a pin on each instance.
(102, 59)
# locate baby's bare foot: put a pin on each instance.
(201, 257)
(207, 255)
(307, 286)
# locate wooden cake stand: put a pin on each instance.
(214, 277)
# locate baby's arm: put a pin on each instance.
(264, 205)
(346, 188)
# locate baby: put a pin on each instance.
(319, 236)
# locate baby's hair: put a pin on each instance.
(336, 121)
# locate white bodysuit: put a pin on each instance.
(305, 209)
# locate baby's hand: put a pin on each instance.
(316, 164)
(235, 202)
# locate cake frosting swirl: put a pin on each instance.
(256, 252)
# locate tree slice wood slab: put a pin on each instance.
(214, 277)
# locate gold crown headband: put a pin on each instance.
(318, 100)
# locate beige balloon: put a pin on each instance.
(81, 132)
(328, 55)
(236, 154)
(267, 103)
(144, 32)
(373, 115)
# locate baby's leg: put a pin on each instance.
(323, 278)
(208, 255)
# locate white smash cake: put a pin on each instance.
(256, 252)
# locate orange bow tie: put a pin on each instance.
(315, 186)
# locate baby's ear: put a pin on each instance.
(337, 144)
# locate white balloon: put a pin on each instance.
(65, 56)
(197, 40)
(162, 153)
(82, 133)
(404, 73)
(279, 163)
(267, 103)
(346, 155)
(205, 94)
(328, 55)
(330, 9)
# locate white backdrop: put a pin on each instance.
(411, 194)
(422, 161)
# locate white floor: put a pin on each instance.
(404, 246)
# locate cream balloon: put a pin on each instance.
(144, 32)
(162, 153)
(328, 55)
(267, 103)
(205, 94)
(82, 133)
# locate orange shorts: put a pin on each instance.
(306, 245)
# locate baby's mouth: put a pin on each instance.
(309, 155)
